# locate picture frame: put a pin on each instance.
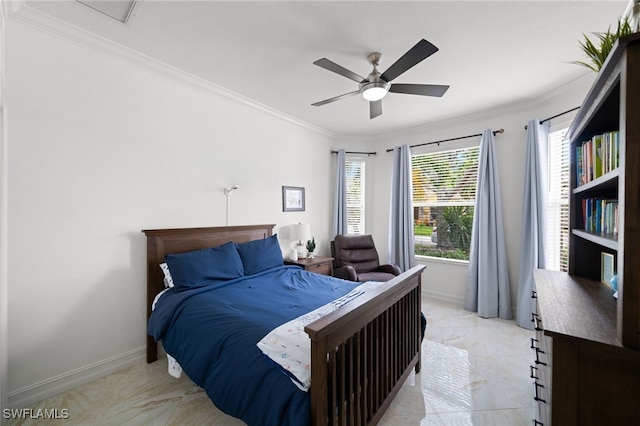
(607, 267)
(293, 199)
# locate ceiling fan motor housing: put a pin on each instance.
(374, 88)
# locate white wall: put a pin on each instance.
(99, 149)
(447, 280)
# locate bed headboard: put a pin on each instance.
(165, 241)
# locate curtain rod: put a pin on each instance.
(356, 152)
(452, 139)
(555, 116)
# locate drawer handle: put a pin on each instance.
(534, 294)
(532, 371)
(537, 361)
(537, 385)
(536, 423)
(532, 344)
(537, 321)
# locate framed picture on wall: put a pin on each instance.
(292, 199)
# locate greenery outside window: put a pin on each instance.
(444, 192)
(354, 170)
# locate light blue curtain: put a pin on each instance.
(401, 238)
(339, 224)
(534, 209)
(488, 290)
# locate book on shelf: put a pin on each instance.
(600, 216)
(596, 157)
(579, 166)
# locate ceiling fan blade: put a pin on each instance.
(419, 89)
(375, 109)
(337, 98)
(338, 69)
(417, 53)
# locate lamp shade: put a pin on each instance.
(301, 232)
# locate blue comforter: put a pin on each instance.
(212, 331)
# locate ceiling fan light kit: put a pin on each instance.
(376, 85)
(374, 91)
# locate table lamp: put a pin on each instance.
(301, 232)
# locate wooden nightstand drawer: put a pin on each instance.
(317, 264)
(322, 268)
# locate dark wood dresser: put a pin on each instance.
(581, 374)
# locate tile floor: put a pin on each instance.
(474, 372)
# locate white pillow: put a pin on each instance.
(168, 281)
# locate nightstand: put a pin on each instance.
(317, 264)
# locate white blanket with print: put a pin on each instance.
(289, 345)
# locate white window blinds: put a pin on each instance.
(354, 170)
(557, 241)
(446, 178)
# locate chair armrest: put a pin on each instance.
(346, 272)
(390, 269)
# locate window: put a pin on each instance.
(557, 241)
(444, 192)
(354, 170)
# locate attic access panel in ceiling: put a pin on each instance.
(119, 10)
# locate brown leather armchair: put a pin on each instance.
(356, 259)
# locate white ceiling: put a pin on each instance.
(492, 53)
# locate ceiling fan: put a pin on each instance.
(376, 85)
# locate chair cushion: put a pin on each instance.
(356, 250)
(375, 276)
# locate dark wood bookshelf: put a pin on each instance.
(587, 344)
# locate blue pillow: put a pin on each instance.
(193, 268)
(258, 255)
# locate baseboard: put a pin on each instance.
(443, 297)
(27, 396)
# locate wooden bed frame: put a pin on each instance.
(361, 354)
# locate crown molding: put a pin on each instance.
(9, 7)
(20, 12)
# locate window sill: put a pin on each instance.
(424, 259)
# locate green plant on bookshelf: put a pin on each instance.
(598, 51)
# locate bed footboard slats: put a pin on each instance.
(365, 362)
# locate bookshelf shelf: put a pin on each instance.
(604, 182)
(608, 241)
